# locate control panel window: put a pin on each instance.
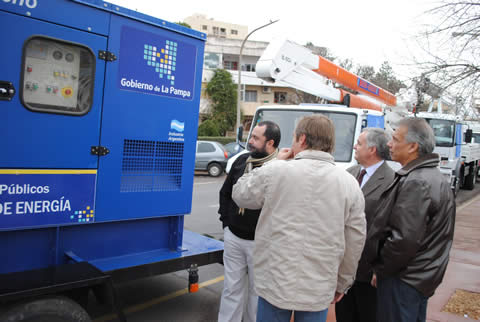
(57, 76)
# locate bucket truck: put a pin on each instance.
(296, 66)
(371, 106)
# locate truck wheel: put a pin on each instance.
(52, 309)
(470, 179)
(215, 169)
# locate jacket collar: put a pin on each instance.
(428, 160)
(315, 155)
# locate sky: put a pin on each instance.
(369, 32)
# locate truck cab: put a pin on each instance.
(349, 122)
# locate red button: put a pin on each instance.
(29, 69)
(68, 92)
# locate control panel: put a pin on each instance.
(57, 76)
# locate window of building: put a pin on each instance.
(248, 67)
(216, 30)
(250, 96)
(223, 32)
(231, 65)
(280, 97)
(57, 76)
(204, 27)
(234, 32)
(212, 60)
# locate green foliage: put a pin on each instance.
(223, 93)
(385, 78)
(222, 139)
(183, 24)
(209, 128)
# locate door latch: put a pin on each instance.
(99, 150)
(7, 91)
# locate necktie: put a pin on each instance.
(360, 177)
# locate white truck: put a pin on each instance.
(295, 65)
(458, 158)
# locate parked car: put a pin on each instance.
(233, 148)
(212, 157)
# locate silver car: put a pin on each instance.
(212, 157)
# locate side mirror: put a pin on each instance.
(240, 136)
(468, 136)
(239, 133)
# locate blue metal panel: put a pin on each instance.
(27, 249)
(193, 244)
(66, 13)
(31, 199)
(458, 140)
(40, 140)
(151, 136)
(149, 171)
(375, 121)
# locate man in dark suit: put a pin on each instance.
(374, 176)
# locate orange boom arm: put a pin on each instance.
(342, 76)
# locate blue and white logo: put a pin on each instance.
(177, 126)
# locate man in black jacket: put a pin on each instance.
(409, 242)
(239, 228)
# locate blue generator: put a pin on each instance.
(99, 111)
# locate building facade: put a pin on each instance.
(222, 50)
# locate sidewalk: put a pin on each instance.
(463, 271)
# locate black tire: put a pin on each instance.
(52, 309)
(470, 179)
(215, 169)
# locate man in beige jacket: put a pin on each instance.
(311, 229)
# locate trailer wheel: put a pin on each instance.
(52, 309)
(215, 169)
(470, 179)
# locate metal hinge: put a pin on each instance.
(99, 150)
(106, 55)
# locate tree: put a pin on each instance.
(322, 51)
(385, 78)
(366, 72)
(183, 24)
(451, 47)
(223, 93)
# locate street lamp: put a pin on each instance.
(239, 85)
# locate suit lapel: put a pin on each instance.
(375, 181)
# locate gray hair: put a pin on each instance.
(420, 132)
(378, 138)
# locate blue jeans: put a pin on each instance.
(269, 313)
(397, 301)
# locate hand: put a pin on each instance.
(337, 297)
(285, 154)
(374, 280)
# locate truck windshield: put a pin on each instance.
(444, 131)
(288, 119)
(476, 137)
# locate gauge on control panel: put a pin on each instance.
(57, 54)
(69, 57)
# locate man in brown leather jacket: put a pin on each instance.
(409, 241)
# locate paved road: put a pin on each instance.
(164, 298)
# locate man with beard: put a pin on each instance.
(239, 228)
